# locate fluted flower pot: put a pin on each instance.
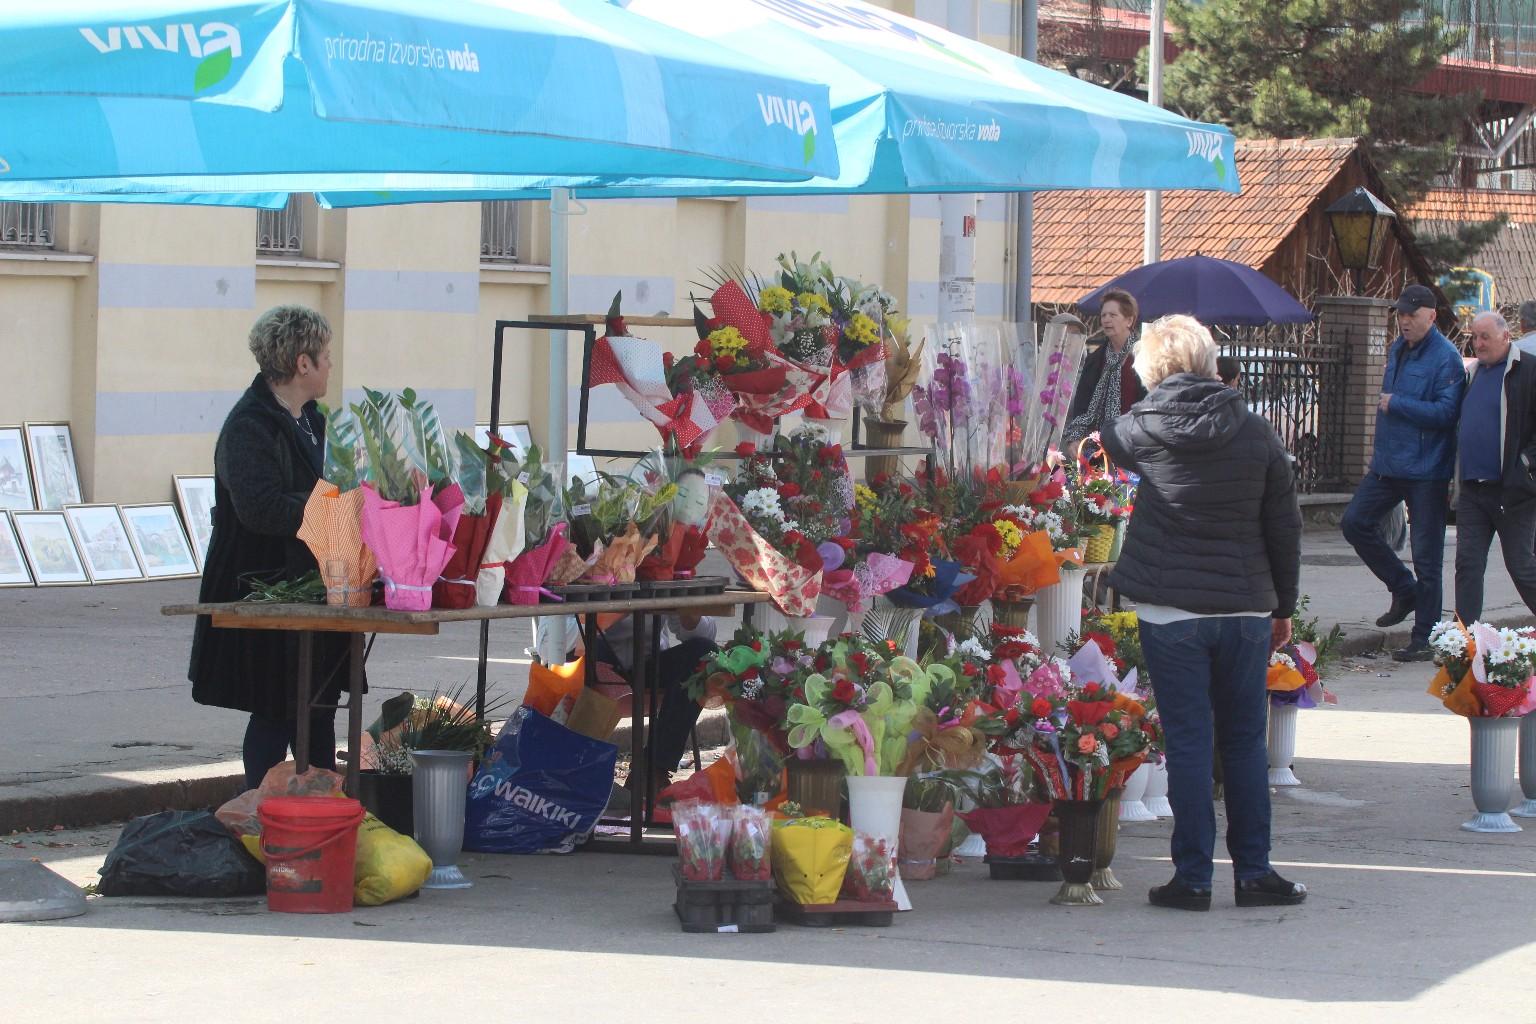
(1282, 745)
(1078, 842)
(1493, 773)
(1527, 767)
(883, 434)
(1103, 878)
(1131, 806)
(815, 628)
(1012, 613)
(815, 784)
(1059, 609)
(874, 808)
(438, 789)
(1156, 800)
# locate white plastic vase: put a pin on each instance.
(1527, 767)
(831, 430)
(874, 808)
(1131, 806)
(1059, 609)
(761, 441)
(816, 628)
(1156, 800)
(1493, 774)
(1282, 744)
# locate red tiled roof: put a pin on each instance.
(1464, 206)
(1084, 238)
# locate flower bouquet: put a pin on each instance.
(758, 560)
(1484, 671)
(857, 707)
(332, 525)
(685, 407)
(504, 477)
(456, 586)
(1045, 403)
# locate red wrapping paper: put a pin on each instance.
(455, 586)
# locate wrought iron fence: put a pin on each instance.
(1298, 382)
(281, 232)
(499, 223)
(26, 225)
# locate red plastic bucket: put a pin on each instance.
(310, 843)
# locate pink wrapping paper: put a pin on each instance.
(413, 543)
(792, 587)
(527, 572)
(879, 574)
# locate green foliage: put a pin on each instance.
(423, 439)
(471, 475)
(343, 437)
(379, 417)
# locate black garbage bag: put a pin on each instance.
(180, 853)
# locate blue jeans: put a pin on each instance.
(1426, 501)
(1208, 677)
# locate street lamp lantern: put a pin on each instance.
(1360, 223)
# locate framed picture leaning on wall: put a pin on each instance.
(13, 564)
(52, 452)
(50, 548)
(159, 541)
(194, 494)
(103, 542)
(16, 493)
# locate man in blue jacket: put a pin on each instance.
(1412, 462)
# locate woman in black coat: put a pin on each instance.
(1213, 561)
(1107, 386)
(267, 460)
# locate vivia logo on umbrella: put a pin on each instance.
(1207, 146)
(216, 45)
(796, 115)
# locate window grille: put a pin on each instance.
(27, 225)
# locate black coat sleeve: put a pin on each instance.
(247, 460)
(1282, 529)
(1117, 442)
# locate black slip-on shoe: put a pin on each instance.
(1177, 896)
(1402, 607)
(1414, 652)
(1270, 891)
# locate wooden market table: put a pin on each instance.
(306, 620)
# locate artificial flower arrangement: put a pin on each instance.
(736, 344)
(797, 498)
(1086, 741)
(544, 532)
(1484, 671)
(1040, 383)
(680, 525)
(1292, 678)
(857, 705)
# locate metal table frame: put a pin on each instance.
(308, 619)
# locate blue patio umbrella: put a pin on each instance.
(95, 89)
(914, 109)
(1212, 291)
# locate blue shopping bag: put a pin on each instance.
(540, 790)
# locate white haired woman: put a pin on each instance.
(1213, 560)
(268, 456)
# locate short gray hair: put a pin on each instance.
(1528, 315)
(1497, 319)
(1174, 344)
(282, 334)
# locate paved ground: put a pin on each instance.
(99, 723)
(1410, 919)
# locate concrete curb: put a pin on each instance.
(89, 802)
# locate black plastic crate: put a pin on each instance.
(1029, 868)
(724, 906)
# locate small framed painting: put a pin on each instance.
(103, 542)
(50, 548)
(159, 541)
(52, 452)
(194, 494)
(13, 564)
(15, 477)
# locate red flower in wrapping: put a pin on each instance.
(846, 543)
(794, 538)
(860, 662)
(807, 557)
(1089, 712)
(996, 675)
(726, 363)
(790, 490)
(822, 663)
(757, 645)
(905, 490)
(832, 453)
(1109, 730)
(746, 449)
(702, 348)
(843, 691)
(970, 670)
(706, 364)
(1087, 744)
(1046, 493)
(1040, 707)
(1105, 643)
(667, 359)
(1011, 717)
(1091, 691)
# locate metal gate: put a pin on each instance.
(1297, 382)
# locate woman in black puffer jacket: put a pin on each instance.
(1213, 560)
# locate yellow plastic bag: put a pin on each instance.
(810, 856)
(389, 866)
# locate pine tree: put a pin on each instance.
(1330, 68)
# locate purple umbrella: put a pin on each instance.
(1210, 290)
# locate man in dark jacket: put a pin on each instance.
(1497, 450)
(1212, 559)
(1413, 459)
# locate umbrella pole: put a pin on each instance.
(557, 428)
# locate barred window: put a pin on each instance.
(281, 232)
(27, 225)
(500, 222)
